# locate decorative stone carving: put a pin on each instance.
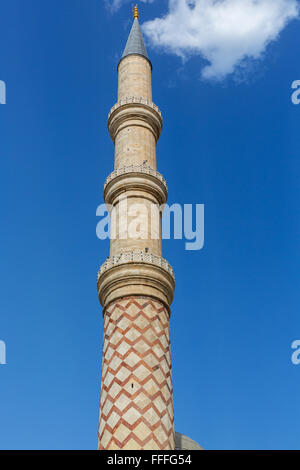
(135, 112)
(137, 179)
(136, 285)
(137, 392)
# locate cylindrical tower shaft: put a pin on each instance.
(136, 284)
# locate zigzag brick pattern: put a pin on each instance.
(136, 406)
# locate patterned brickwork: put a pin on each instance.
(136, 407)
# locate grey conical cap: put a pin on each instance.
(135, 43)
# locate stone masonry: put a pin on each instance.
(135, 284)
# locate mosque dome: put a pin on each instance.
(185, 443)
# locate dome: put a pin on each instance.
(185, 443)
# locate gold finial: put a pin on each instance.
(136, 13)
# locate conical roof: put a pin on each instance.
(135, 43)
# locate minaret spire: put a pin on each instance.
(135, 43)
(136, 284)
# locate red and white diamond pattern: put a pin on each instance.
(136, 407)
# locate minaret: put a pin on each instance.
(135, 284)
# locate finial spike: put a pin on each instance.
(136, 13)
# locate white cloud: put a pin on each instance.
(114, 5)
(224, 32)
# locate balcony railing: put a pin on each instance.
(136, 257)
(134, 100)
(135, 169)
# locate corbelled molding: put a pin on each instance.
(135, 113)
(136, 273)
(136, 179)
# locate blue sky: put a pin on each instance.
(232, 144)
